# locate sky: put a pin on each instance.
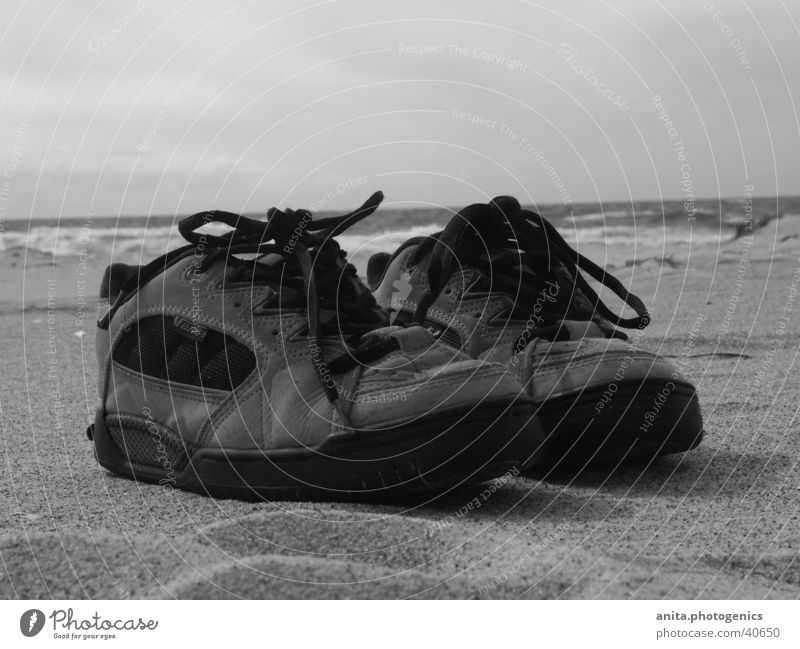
(137, 107)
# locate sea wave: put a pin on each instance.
(138, 244)
(608, 232)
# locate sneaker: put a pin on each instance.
(255, 364)
(501, 284)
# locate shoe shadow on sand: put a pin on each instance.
(522, 501)
(597, 494)
(703, 472)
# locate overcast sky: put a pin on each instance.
(138, 107)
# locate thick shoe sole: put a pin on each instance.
(426, 455)
(639, 422)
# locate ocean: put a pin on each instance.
(612, 234)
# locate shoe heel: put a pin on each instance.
(139, 448)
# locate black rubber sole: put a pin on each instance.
(429, 454)
(640, 421)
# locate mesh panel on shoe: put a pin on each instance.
(146, 442)
(156, 347)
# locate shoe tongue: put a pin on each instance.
(344, 287)
(472, 235)
(349, 287)
(492, 242)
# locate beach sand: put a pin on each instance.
(719, 522)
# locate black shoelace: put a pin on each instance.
(522, 253)
(311, 272)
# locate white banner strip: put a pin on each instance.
(409, 625)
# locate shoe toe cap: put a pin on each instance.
(553, 369)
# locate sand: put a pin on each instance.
(719, 522)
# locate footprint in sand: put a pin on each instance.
(307, 553)
(298, 577)
(79, 566)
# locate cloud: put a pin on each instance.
(139, 106)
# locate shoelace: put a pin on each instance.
(520, 250)
(314, 274)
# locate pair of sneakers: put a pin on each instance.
(256, 364)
